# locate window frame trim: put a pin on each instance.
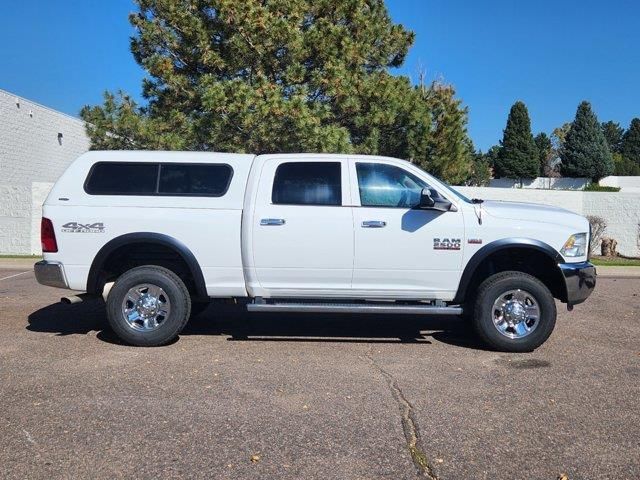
(157, 193)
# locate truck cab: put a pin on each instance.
(305, 232)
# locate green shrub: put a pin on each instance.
(594, 187)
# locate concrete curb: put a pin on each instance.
(18, 263)
(626, 272)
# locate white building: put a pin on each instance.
(36, 145)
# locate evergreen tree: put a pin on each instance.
(277, 76)
(631, 142)
(624, 166)
(518, 156)
(545, 151)
(492, 156)
(449, 149)
(585, 152)
(480, 174)
(613, 132)
(559, 135)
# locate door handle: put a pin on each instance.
(272, 221)
(374, 224)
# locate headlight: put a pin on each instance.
(576, 246)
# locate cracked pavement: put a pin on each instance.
(243, 396)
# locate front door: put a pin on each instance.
(303, 227)
(401, 251)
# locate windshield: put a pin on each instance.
(454, 191)
(447, 186)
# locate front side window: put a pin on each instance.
(383, 185)
(307, 183)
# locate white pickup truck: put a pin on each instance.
(161, 234)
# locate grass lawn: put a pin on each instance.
(616, 261)
(20, 256)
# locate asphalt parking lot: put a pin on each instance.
(289, 396)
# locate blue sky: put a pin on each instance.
(550, 54)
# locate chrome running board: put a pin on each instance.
(320, 307)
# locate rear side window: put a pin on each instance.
(307, 183)
(166, 179)
(197, 180)
(122, 179)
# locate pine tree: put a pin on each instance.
(624, 166)
(480, 174)
(613, 133)
(585, 152)
(492, 156)
(545, 151)
(518, 157)
(449, 149)
(631, 142)
(277, 76)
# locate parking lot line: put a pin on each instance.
(11, 276)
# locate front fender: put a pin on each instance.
(503, 244)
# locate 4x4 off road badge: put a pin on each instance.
(446, 243)
(75, 227)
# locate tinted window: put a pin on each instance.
(197, 180)
(307, 183)
(388, 186)
(122, 178)
(119, 178)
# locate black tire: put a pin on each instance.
(495, 286)
(171, 326)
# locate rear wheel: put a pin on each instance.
(514, 312)
(148, 306)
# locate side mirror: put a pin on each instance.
(428, 202)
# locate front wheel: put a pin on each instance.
(514, 312)
(148, 306)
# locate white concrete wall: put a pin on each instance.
(627, 184)
(621, 210)
(562, 183)
(32, 157)
(15, 219)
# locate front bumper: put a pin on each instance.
(580, 280)
(50, 274)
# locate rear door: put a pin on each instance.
(302, 239)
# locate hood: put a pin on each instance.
(535, 212)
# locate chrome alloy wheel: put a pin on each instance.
(146, 307)
(516, 313)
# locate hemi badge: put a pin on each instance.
(475, 241)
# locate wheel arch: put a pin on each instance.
(500, 255)
(145, 238)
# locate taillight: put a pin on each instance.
(48, 236)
